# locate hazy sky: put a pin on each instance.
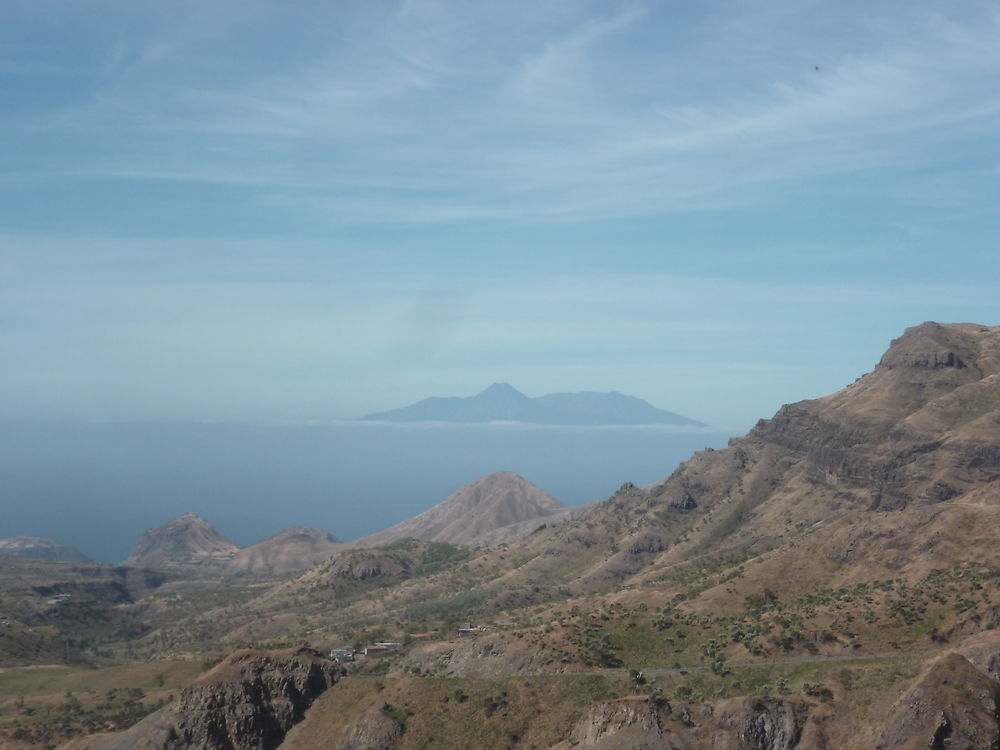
(240, 210)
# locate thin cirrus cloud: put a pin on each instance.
(413, 195)
(524, 130)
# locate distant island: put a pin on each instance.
(501, 402)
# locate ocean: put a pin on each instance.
(98, 486)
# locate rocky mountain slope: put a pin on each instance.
(830, 581)
(498, 507)
(895, 474)
(40, 549)
(501, 402)
(851, 525)
(187, 546)
(291, 550)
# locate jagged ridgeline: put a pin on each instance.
(831, 581)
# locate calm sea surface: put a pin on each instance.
(98, 486)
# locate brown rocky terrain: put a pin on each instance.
(291, 550)
(496, 508)
(249, 702)
(186, 547)
(895, 474)
(830, 581)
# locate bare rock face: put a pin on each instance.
(249, 702)
(952, 705)
(768, 725)
(930, 346)
(187, 546)
(615, 722)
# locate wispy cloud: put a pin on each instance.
(323, 194)
(570, 116)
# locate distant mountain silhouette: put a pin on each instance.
(501, 402)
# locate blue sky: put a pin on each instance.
(270, 211)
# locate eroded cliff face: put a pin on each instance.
(248, 702)
(737, 724)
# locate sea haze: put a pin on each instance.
(98, 486)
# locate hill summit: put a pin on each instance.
(495, 508)
(501, 402)
(40, 549)
(187, 545)
(288, 551)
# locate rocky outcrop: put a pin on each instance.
(185, 547)
(249, 702)
(931, 346)
(952, 704)
(626, 722)
(768, 724)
